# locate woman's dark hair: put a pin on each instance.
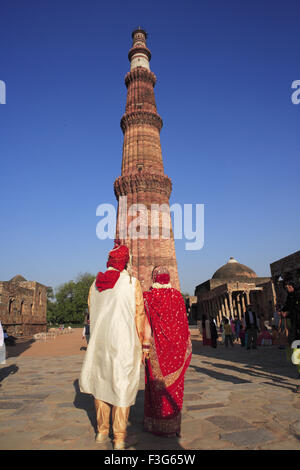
(290, 283)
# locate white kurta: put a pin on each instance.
(111, 367)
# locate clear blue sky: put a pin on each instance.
(230, 138)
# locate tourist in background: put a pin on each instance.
(265, 338)
(168, 347)
(277, 315)
(237, 325)
(205, 331)
(232, 327)
(111, 366)
(9, 340)
(86, 329)
(251, 327)
(242, 335)
(228, 332)
(213, 332)
(222, 329)
(2, 346)
(283, 332)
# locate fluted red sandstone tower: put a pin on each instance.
(142, 179)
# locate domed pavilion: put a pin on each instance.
(231, 289)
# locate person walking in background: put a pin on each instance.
(222, 331)
(111, 366)
(251, 328)
(168, 342)
(232, 327)
(205, 331)
(243, 327)
(228, 332)
(277, 315)
(283, 332)
(213, 332)
(86, 329)
(242, 335)
(2, 346)
(265, 338)
(237, 326)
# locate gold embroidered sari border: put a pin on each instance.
(170, 379)
(163, 426)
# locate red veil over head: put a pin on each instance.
(161, 275)
(118, 258)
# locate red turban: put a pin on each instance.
(118, 258)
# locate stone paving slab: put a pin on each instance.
(249, 439)
(234, 399)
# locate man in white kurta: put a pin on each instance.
(111, 367)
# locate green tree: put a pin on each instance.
(51, 306)
(71, 299)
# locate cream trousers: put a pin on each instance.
(119, 419)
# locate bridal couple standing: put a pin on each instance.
(129, 327)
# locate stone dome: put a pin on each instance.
(234, 270)
(18, 278)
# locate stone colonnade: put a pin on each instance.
(228, 305)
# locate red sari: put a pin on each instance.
(170, 355)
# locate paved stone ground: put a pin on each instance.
(234, 399)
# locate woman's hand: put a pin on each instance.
(144, 359)
(145, 356)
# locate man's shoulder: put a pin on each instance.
(126, 274)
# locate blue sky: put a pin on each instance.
(230, 138)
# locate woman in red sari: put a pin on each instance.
(168, 342)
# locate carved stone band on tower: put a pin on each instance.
(142, 178)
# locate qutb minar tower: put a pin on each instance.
(142, 179)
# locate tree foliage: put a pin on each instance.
(69, 303)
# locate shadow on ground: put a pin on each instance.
(85, 401)
(6, 371)
(269, 363)
(19, 348)
(145, 440)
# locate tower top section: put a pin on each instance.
(139, 54)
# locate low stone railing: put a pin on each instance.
(52, 333)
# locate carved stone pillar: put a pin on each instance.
(230, 303)
(239, 307)
(247, 298)
(243, 303)
(226, 304)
